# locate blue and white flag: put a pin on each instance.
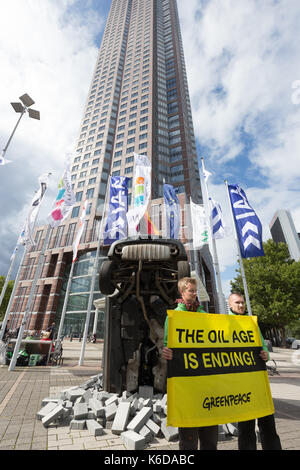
(248, 226)
(219, 227)
(116, 223)
(172, 211)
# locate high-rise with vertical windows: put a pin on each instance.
(138, 102)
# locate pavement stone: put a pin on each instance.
(22, 392)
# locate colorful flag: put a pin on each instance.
(172, 211)
(116, 223)
(151, 227)
(200, 226)
(65, 199)
(80, 230)
(219, 228)
(141, 192)
(33, 211)
(248, 226)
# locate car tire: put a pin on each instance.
(183, 268)
(105, 277)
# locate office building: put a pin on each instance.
(138, 102)
(283, 229)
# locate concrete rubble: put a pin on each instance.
(137, 417)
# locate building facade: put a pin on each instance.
(283, 229)
(138, 102)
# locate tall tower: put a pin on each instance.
(138, 102)
(283, 229)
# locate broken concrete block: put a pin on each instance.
(53, 415)
(77, 424)
(87, 395)
(140, 419)
(133, 441)
(102, 396)
(97, 407)
(121, 418)
(80, 411)
(146, 433)
(46, 410)
(169, 432)
(73, 394)
(95, 428)
(134, 406)
(47, 400)
(112, 399)
(157, 407)
(154, 428)
(110, 411)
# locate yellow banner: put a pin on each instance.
(216, 375)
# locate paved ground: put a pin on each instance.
(22, 390)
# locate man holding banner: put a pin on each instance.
(216, 372)
(246, 429)
(188, 436)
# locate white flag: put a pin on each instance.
(34, 209)
(141, 192)
(80, 230)
(200, 225)
(3, 160)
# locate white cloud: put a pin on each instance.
(48, 51)
(242, 59)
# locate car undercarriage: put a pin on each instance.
(139, 279)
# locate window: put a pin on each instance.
(79, 196)
(70, 234)
(75, 212)
(90, 193)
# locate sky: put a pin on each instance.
(242, 61)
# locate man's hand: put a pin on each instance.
(264, 355)
(167, 354)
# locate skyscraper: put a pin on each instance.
(138, 102)
(283, 229)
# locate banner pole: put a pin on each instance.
(94, 274)
(5, 319)
(214, 248)
(37, 276)
(63, 313)
(239, 254)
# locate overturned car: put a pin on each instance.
(140, 279)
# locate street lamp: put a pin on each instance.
(20, 108)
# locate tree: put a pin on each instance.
(8, 291)
(273, 283)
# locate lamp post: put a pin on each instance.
(21, 108)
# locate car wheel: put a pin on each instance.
(184, 269)
(105, 277)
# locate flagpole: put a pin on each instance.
(88, 314)
(7, 277)
(214, 248)
(239, 255)
(5, 319)
(37, 275)
(63, 313)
